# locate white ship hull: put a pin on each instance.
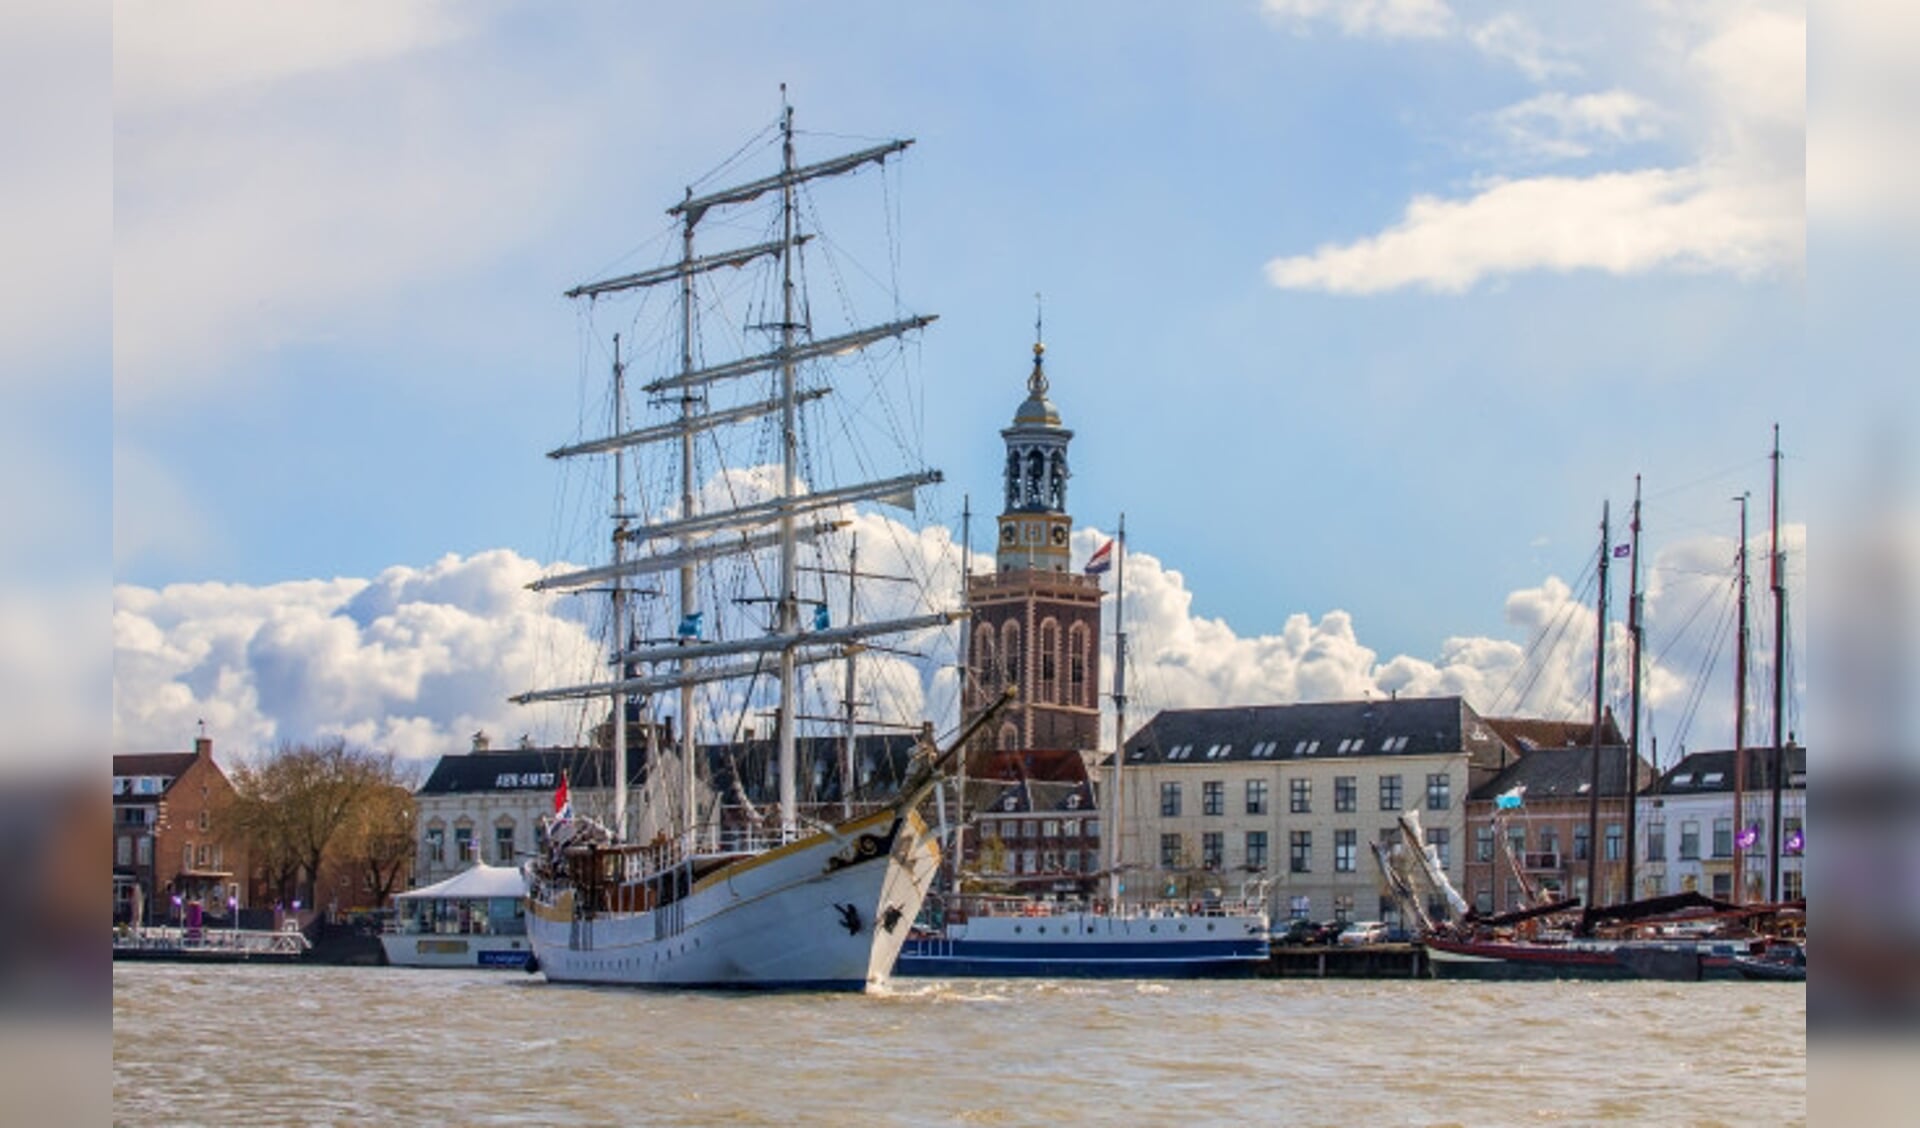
(817, 914)
(416, 949)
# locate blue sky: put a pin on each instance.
(1354, 307)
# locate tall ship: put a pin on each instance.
(717, 599)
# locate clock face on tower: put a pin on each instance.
(1060, 534)
(1008, 534)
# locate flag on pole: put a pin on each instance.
(1101, 560)
(562, 801)
(821, 620)
(1620, 550)
(690, 624)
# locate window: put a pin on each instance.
(503, 844)
(1300, 851)
(1439, 791)
(1030, 828)
(1722, 838)
(1792, 885)
(1010, 650)
(1582, 843)
(1793, 839)
(1211, 848)
(143, 852)
(1722, 886)
(1389, 792)
(1657, 842)
(1069, 828)
(1345, 789)
(1345, 851)
(1517, 840)
(1616, 837)
(206, 822)
(462, 843)
(1690, 841)
(1483, 902)
(1093, 828)
(1049, 648)
(1256, 849)
(1169, 851)
(206, 856)
(1170, 799)
(1483, 843)
(123, 851)
(1050, 828)
(1441, 839)
(1077, 665)
(1299, 907)
(1213, 797)
(1300, 796)
(990, 828)
(1256, 797)
(1343, 907)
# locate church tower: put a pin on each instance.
(1035, 622)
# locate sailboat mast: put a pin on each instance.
(789, 618)
(1119, 713)
(1740, 723)
(1636, 629)
(846, 746)
(689, 595)
(1599, 700)
(619, 595)
(966, 668)
(1778, 579)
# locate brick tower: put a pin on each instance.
(1035, 622)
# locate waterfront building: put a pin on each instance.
(1037, 828)
(171, 849)
(1688, 827)
(1216, 799)
(1550, 832)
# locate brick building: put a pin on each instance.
(1035, 624)
(169, 847)
(1549, 833)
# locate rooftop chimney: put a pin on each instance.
(481, 742)
(203, 746)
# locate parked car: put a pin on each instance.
(1363, 932)
(1299, 931)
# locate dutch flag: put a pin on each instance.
(563, 802)
(1101, 560)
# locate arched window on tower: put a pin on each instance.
(1036, 479)
(1057, 482)
(986, 670)
(1049, 691)
(1009, 736)
(1078, 692)
(1010, 652)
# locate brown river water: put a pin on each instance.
(273, 1045)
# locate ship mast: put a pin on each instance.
(1636, 633)
(1778, 579)
(1740, 724)
(1119, 715)
(966, 669)
(619, 593)
(782, 522)
(1599, 699)
(789, 611)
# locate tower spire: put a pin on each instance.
(1037, 381)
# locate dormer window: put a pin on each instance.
(1712, 778)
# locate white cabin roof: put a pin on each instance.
(477, 882)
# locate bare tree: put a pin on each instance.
(303, 800)
(378, 842)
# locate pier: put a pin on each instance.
(1370, 961)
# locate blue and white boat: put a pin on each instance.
(476, 918)
(996, 937)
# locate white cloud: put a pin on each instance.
(285, 178)
(1736, 207)
(1559, 126)
(1510, 38)
(188, 50)
(1703, 218)
(1388, 18)
(417, 659)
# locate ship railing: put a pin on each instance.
(988, 905)
(184, 939)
